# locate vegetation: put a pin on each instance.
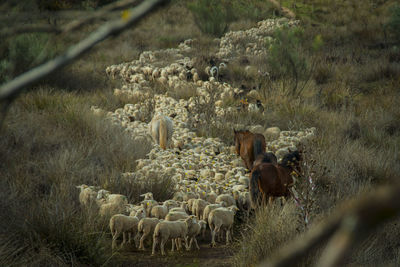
(339, 72)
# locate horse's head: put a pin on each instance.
(292, 160)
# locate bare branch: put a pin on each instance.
(14, 87)
(99, 14)
(29, 29)
(348, 226)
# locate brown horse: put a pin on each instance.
(270, 180)
(266, 157)
(248, 145)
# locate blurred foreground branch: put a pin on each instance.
(11, 89)
(343, 230)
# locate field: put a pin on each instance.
(337, 70)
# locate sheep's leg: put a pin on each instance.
(141, 245)
(114, 240)
(123, 239)
(162, 246)
(195, 242)
(212, 237)
(173, 243)
(190, 244)
(188, 247)
(186, 242)
(136, 239)
(228, 236)
(155, 241)
(130, 238)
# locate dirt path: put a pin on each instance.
(206, 256)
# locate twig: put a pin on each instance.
(348, 225)
(14, 87)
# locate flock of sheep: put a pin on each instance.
(211, 184)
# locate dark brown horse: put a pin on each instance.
(266, 157)
(270, 180)
(249, 145)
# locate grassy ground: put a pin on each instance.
(51, 141)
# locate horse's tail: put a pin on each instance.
(257, 147)
(163, 133)
(255, 193)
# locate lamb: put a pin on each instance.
(194, 229)
(148, 205)
(171, 204)
(169, 230)
(159, 211)
(146, 227)
(147, 196)
(221, 219)
(203, 225)
(211, 207)
(198, 207)
(211, 197)
(227, 198)
(112, 198)
(174, 216)
(87, 196)
(122, 224)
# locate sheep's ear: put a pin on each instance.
(142, 195)
(78, 186)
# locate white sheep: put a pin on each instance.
(169, 230)
(87, 196)
(148, 205)
(211, 207)
(198, 207)
(170, 203)
(227, 198)
(174, 216)
(122, 224)
(147, 196)
(194, 229)
(159, 211)
(146, 227)
(221, 219)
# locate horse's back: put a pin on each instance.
(273, 180)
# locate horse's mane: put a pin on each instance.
(291, 158)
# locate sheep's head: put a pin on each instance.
(102, 194)
(141, 213)
(82, 186)
(233, 208)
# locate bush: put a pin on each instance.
(24, 52)
(287, 61)
(211, 16)
(394, 23)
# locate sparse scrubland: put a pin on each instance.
(338, 71)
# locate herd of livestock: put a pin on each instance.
(213, 182)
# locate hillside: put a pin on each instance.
(332, 72)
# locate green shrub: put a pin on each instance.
(24, 52)
(211, 16)
(287, 61)
(394, 23)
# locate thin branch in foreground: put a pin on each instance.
(14, 87)
(348, 226)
